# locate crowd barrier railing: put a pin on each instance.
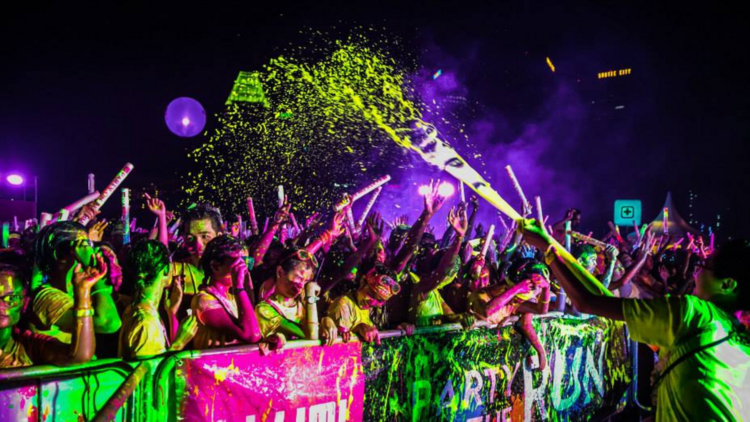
(439, 373)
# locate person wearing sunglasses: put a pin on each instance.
(351, 312)
(59, 249)
(282, 310)
(20, 348)
(704, 352)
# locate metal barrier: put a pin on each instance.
(149, 392)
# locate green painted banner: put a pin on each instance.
(484, 374)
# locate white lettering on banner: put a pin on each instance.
(449, 393)
(571, 374)
(491, 372)
(534, 395)
(594, 372)
(509, 377)
(471, 393)
(324, 412)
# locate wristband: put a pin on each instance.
(84, 312)
(107, 289)
(236, 290)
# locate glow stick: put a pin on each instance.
(588, 239)
(370, 203)
(539, 213)
(350, 220)
(488, 240)
(75, 206)
(125, 216)
(665, 221)
(461, 190)
(173, 229)
(517, 187)
(110, 189)
(6, 234)
(567, 236)
(251, 212)
(280, 194)
(294, 223)
(616, 231)
(265, 225)
(45, 219)
(15, 223)
(62, 215)
(362, 192)
(711, 244)
(91, 186)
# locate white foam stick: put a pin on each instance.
(280, 194)
(251, 212)
(539, 213)
(362, 192)
(110, 189)
(15, 223)
(350, 220)
(461, 190)
(45, 219)
(517, 187)
(370, 203)
(588, 239)
(91, 187)
(125, 216)
(75, 206)
(567, 236)
(488, 240)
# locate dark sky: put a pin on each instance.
(85, 90)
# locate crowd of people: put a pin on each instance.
(70, 293)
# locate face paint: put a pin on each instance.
(199, 234)
(11, 299)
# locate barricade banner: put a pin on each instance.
(305, 384)
(483, 375)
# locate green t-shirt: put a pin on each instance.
(711, 385)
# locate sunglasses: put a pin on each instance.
(302, 255)
(385, 287)
(82, 242)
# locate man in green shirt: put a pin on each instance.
(704, 354)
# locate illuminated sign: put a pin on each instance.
(613, 73)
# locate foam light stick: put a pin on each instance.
(15, 223)
(665, 221)
(6, 234)
(350, 220)
(567, 236)
(294, 224)
(280, 194)
(637, 232)
(75, 206)
(110, 189)
(265, 225)
(517, 187)
(91, 187)
(362, 192)
(461, 191)
(539, 213)
(370, 203)
(125, 216)
(487, 240)
(588, 239)
(615, 231)
(251, 212)
(45, 219)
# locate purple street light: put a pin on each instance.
(15, 179)
(185, 117)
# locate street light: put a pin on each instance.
(15, 179)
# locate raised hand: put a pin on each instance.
(337, 224)
(85, 278)
(375, 225)
(458, 220)
(88, 212)
(96, 232)
(239, 272)
(186, 332)
(282, 214)
(534, 234)
(173, 298)
(328, 331)
(156, 206)
(432, 199)
(611, 252)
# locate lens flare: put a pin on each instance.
(446, 189)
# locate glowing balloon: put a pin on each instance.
(185, 117)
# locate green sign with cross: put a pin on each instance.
(627, 211)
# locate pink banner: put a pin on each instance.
(313, 384)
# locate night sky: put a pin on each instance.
(84, 91)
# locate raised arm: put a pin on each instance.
(457, 220)
(374, 228)
(327, 237)
(157, 207)
(259, 249)
(432, 203)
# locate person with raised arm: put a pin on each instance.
(157, 207)
(427, 306)
(143, 332)
(223, 308)
(59, 249)
(20, 348)
(704, 352)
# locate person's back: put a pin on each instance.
(713, 382)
